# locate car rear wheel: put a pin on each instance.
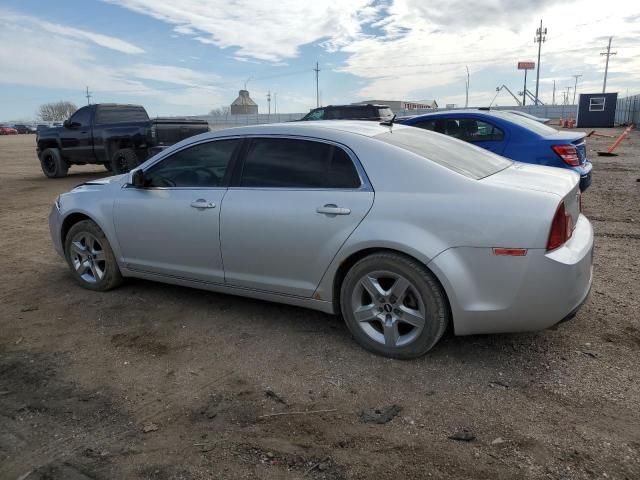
(124, 160)
(52, 163)
(393, 306)
(90, 257)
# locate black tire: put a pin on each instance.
(52, 163)
(424, 287)
(107, 166)
(124, 160)
(89, 231)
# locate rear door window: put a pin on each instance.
(121, 114)
(299, 164)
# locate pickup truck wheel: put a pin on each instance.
(124, 160)
(90, 258)
(52, 163)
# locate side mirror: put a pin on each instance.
(137, 178)
(66, 124)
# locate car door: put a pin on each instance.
(76, 136)
(171, 226)
(291, 206)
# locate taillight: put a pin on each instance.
(561, 228)
(568, 154)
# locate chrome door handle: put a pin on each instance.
(202, 203)
(332, 209)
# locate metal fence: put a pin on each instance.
(223, 121)
(628, 110)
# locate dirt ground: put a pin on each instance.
(159, 382)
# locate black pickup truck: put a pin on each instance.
(120, 137)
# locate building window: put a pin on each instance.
(596, 104)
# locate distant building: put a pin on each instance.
(402, 104)
(243, 105)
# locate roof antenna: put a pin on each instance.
(389, 123)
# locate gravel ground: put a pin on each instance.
(153, 381)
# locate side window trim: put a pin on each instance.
(365, 184)
(224, 184)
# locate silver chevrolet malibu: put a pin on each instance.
(401, 230)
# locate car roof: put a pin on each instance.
(503, 114)
(313, 127)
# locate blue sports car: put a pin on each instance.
(512, 136)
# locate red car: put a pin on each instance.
(8, 131)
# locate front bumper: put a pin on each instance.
(492, 294)
(55, 228)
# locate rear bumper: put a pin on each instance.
(585, 175)
(491, 294)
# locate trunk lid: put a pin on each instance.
(558, 181)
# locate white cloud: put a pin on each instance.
(106, 41)
(422, 47)
(170, 74)
(270, 31)
(52, 59)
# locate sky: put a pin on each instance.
(186, 57)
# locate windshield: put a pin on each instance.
(456, 155)
(534, 125)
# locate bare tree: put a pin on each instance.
(220, 111)
(56, 111)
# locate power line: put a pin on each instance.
(608, 53)
(540, 39)
(317, 70)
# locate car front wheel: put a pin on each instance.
(394, 306)
(90, 257)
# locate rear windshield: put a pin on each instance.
(456, 155)
(121, 114)
(534, 125)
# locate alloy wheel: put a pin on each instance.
(88, 257)
(388, 308)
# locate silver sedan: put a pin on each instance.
(401, 230)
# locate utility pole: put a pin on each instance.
(541, 37)
(269, 101)
(524, 90)
(275, 103)
(566, 95)
(575, 87)
(88, 95)
(553, 100)
(608, 53)
(317, 70)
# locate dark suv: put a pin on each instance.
(350, 112)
